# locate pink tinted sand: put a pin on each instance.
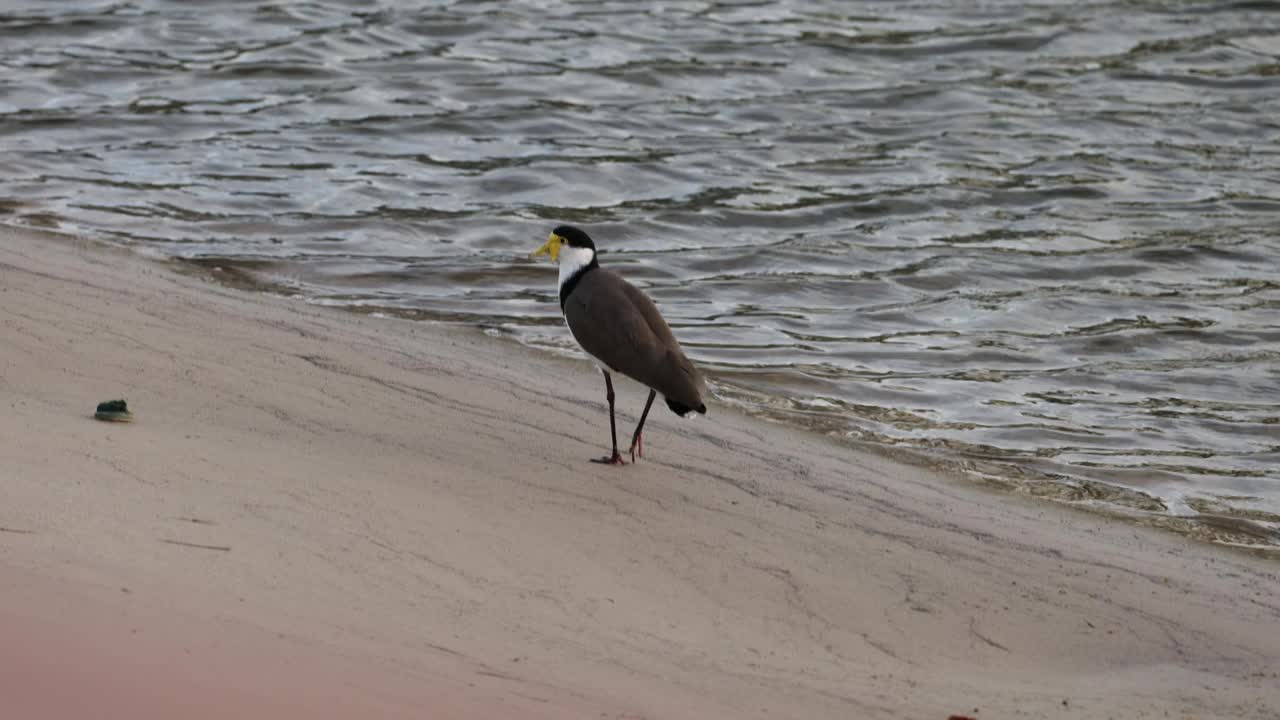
(76, 651)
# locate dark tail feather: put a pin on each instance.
(681, 409)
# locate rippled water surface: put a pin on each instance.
(1042, 239)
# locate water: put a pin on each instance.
(1037, 239)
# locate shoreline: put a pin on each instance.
(1239, 528)
(409, 507)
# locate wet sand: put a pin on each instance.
(318, 514)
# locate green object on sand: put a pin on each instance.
(113, 411)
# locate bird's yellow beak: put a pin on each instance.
(550, 247)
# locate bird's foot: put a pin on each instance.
(637, 448)
(615, 460)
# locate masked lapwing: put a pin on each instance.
(621, 328)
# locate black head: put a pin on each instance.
(573, 237)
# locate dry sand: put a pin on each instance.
(319, 515)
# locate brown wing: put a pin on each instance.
(622, 328)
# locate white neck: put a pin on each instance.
(573, 259)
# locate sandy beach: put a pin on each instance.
(325, 515)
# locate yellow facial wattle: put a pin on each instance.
(550, 247)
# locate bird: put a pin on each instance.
(620, 327)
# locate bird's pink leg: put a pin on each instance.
(637, 445)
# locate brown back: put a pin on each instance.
(623, 329)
